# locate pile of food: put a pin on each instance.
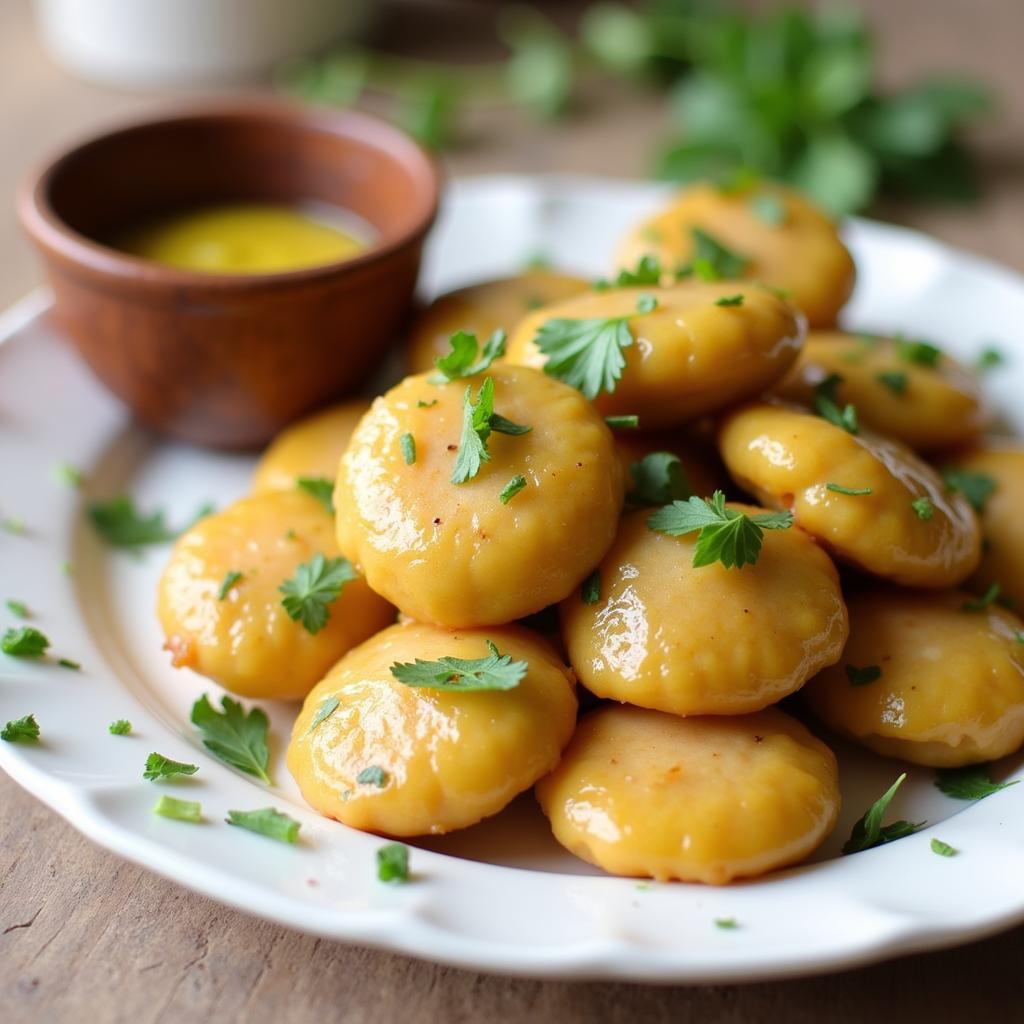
(676, 497)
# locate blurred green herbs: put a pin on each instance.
(789, 94)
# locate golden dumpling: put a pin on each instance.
(935, 678)
(782, 239)
(710, 800)
(220, 605)
(700, 348)
(870, 501)
(457, 554)
(402, 760)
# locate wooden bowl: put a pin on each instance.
(229, 359)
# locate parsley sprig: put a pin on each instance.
(494, 672)
(977, 488)
(160, 767)
(466, 358)
(725, 535)
(478, 421)
(318, 487)
(233, 736)
(826, 405)
(585, 354)
(870, 832)
(658, 478)
(21, 730)
(24, 642)
(974, 782)
(316, 585)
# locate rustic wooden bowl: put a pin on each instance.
(230, 359)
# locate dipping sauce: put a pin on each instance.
(242, 238)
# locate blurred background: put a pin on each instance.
(910, 110)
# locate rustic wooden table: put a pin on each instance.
(85, 934)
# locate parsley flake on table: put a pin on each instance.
(408, 445)
(511, 489)
(179, 810)
(977, 488)
(725, 535)
(235, 737)
(942, 849)
(863, 676)
(923, 507)
(18, 608)
(120, 727)
(327, 708)
(647, 272)
(585, 354)
(979, 604)
(266, 822)
(493, 672)
(590, 591)
(856, 492)
(712, 261)
(121, 525)
(826, 405)
(68, 475)
(21, 730)
(373, 775)
(318, 487)
(922, 353)
(68, 663)
(160, 767)
(229, 581)
(623, 422)
(726, 924)
(462, 358)
(315, 586)
(870, 832)
(768, 209)
(478, 421)
(989, 359)
(658, 478)
(393, 863)
(894, 380)
(973, 782)
(24, 642)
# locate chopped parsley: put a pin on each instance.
(21, 730)
(973, 782)
(646, 303)
(989, 359)
(494, 672)
(623, 422)
(228, 583)
(586, 354)
(18, 608)
(870, 832)
(12, 524)
(920, 352)
(234, 737)
(120, 727)
(646, 272)
(512, 488)
(68, 475)
(121, 525)
(318, 487)
(316, 585)
(726, 924)
(327, 708)
(590, 592)
(160, 767)
(729, 300)
(465, 357)
(977, 488)
(979, 604)
(712, 261)
(826, 405)
(266, 822)
(24, 642)
(179, 810)
(725, 535)
(393, 863)
(768, 209)
(68, 663)
(374, 775)
(426, 405)
(923, 508)
(478, 421)
(942, 849)
(894, 380)
(658, 478)
(853, 491)
(863, 676)
(408, 445)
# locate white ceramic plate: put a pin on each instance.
(501, 896)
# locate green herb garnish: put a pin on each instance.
(494, 672)
(478, 421)
(160, 767)
(989, 359)
(973, 782)
(121, 525)
(318, 487)
(894, 380)
(853, 491)
(870, 832)
(658, 478)
(24, 642)
(713, 261)
(863, 676)
(590, 592)
(179, 810)
(726, 924)
(511, 489)
(12, 524)
(235, 737)
(266, 822)
(120, 727)
(316, 585)
(393, 863)
(977, 488)
(942, 849)
(68, 663)
(623, 422)
(827, 405)
(923, 507)
(21, 730)
(647, 272)
(646, 303)
(68, 475)
(586, 354)
(374, 775)
(326, 709)
(979, 604)
(228, 582)
(922, 353)
(729, 300)
(462, 359)
(408, 445)
(18, 608)
(768, 208)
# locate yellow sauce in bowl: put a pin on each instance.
(241, 238)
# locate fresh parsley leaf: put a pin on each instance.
(870, 832)
(922, 353)
(179, 810)
(512, 488)
(374, 775)
(21, 730)
(590, 592)
(586, 354)
(713, 261)
(121, 727)
(768, 208)
(18, 608)
(977, 488)
(160, 767)
(894, 380)
(730, 300)
(68, 663)
(623, 422)
(121, 525)
(647, 272)
(853, 491)
(461, 360)
(68, 475)
(267, 822)
(725, 535)
(726, 924)
(979, 604)
(494, 672)
(229, 581)
(326, 709)
(393, 863)
(236, 738)
(316, 585)
(476, 428)
(646, 303)
(942, 849)
(408, 445)
(24, 642)
(923, 507)
(658, 478)
(973, 782)
(989, 359)
(318, 487)
(863, 676)
(420, 404)
(826, 405)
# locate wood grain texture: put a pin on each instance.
(84, 934)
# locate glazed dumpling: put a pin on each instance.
(309, 448)
(504, 543)
(995, 479)
(932, 678)
(483, 308)
(708, 640)
(236, 630)
(403, 760)
(905, 390)
(780, 238)
(900, 522)
(700, 348)
(710, 800)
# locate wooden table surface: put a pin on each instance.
(85, 934)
